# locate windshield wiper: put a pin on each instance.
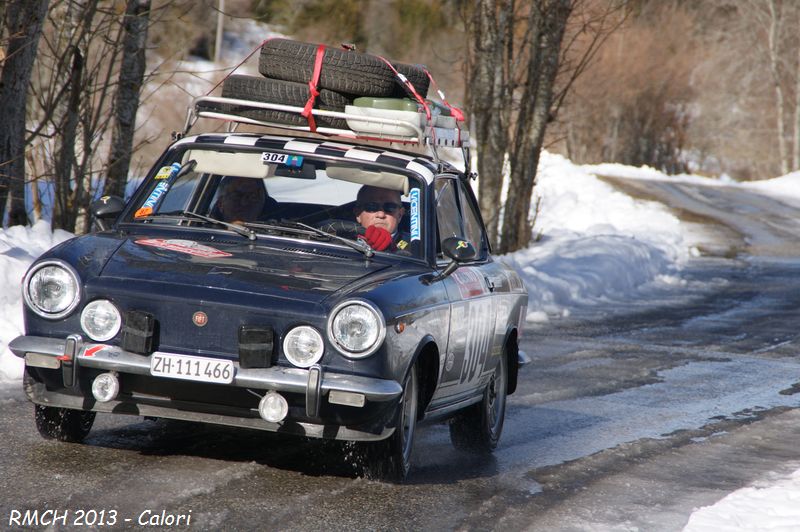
(250, 234)
(301, 228)
(244, 231)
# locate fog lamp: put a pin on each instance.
(273, 407)
(105, 387)
(101, 320)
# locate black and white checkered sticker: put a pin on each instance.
(420, 165)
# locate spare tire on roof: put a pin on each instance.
(281, 92)
(345, 71)
(416, 75)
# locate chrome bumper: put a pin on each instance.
(52, 353)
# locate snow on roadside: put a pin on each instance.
(19, 247)
(772, 505)
(785, 187)
(598, 244)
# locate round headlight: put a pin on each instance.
(303, 346)
(356, 328)
(51, 289)
(101, 320)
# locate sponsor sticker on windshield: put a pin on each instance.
(147, 207)
(413, 196)
(165, 172)
(292, 161)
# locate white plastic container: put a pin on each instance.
(406, 123)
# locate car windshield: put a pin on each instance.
(257, 193)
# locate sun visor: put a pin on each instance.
(388, 180)
(242, 164)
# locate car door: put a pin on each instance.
(471, 337)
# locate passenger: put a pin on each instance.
(379, 211)
(241, 199)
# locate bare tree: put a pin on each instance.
(776, 16)
(23, 25)
(634, 105)
(89, 77)
(776, 22)
(490, 91)
(547, 22)
(126, 106)
(524, 58)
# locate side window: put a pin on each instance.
(448, 219)
(471, 217)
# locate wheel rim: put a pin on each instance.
(496, 397)
(408, 416)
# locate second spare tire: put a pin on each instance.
(344, 71)
(281, 92)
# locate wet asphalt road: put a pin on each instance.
(625, 420)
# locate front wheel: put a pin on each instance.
(390, 459)
(63, 424)
(477, 429)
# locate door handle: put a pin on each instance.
(489, 283)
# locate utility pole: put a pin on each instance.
(218, 42)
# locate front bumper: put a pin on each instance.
(72, 357)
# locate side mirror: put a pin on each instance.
(106, 210)
(459, 250)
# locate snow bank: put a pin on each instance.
(598, 244)
(768, 506)
(19, 247)
(784, 187)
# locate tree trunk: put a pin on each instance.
(24, 19)
(131, 76)
(548, 20)
(796, 137)
(490, 101)
(780, 105)
(63, 208)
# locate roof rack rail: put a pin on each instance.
(425, 135)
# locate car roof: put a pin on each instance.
(419, 164)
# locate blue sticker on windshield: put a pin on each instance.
(155, 194)
(147, 207)
(414, 201)
(294, 161)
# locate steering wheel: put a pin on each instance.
(343, 228)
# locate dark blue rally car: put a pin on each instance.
(326, 288)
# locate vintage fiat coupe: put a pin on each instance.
(329, 286)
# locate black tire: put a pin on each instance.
(478, 428)
(416, 75)
(63, 424)
(390, 459)
(345, 71)
(280, 92)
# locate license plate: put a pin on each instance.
(191, 368)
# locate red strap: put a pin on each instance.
(454, 111)
(312, 88)
(410, 87)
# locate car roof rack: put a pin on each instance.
(429, 136)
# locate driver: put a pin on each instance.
(379, 211)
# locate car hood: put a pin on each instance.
(302, 272)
